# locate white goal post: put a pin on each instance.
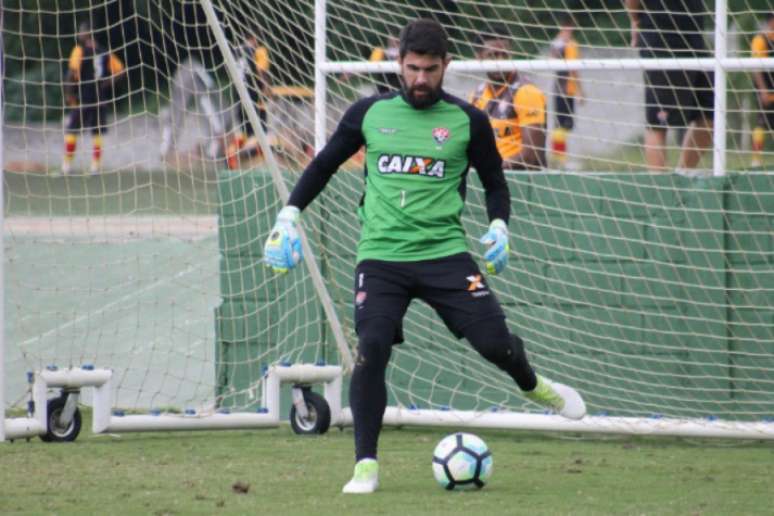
(650, 292)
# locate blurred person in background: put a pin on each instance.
(567, 88)
(516, 107)
(193, 90)
(674, 98)
(92, 74)
(253, 62)
(763, 46)
(386, 82)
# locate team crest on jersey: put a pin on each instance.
(415, 165)
(440, 135)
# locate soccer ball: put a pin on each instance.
(462, 461)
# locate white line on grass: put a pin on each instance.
(106, 307)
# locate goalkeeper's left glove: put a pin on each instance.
(496, 257)
(282, 250)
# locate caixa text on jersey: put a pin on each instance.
(400, 164)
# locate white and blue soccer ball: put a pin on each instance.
(462, 461)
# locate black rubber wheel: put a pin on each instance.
(318, 419)
(56, 433)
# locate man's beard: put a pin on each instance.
(431, 97)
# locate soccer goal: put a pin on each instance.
(142, 173)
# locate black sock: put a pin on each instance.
(367, 388)
(518, 366)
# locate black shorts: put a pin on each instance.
(88, 116)
(564, 106)
(453, 286)
(678, 97)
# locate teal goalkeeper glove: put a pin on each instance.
(282, 250)
(496, 257)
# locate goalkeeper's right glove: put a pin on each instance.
(282, 250)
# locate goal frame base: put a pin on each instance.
(642, 426)
(106, 420)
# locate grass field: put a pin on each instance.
(206, 473)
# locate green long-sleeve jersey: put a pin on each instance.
(416, 166)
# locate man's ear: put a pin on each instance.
(446, 61)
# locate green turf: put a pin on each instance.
(126, 192)
(195, 473)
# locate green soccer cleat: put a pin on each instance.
(559, 397)
(366, 478)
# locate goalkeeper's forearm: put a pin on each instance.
(497, 196)
(309, 186)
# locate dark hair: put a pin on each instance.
(424, 36)
(495, 31)
(770, 16)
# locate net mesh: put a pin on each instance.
(649, 291)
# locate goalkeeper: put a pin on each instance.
(419, 144)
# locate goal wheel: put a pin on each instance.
(318, 417)
(55, 432)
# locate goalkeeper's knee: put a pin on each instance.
(374, 347)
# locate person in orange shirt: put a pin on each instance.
(763, 46)
(566, 89)
(516, 108)
(91, 76)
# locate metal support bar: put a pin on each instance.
(719, 127)
(320, 82)
(730, 64)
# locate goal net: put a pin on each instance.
(147, 149)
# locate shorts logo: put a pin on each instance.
(440, 135)
(360, 299)
(476, 286)
(474, 282)
(414, 165)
